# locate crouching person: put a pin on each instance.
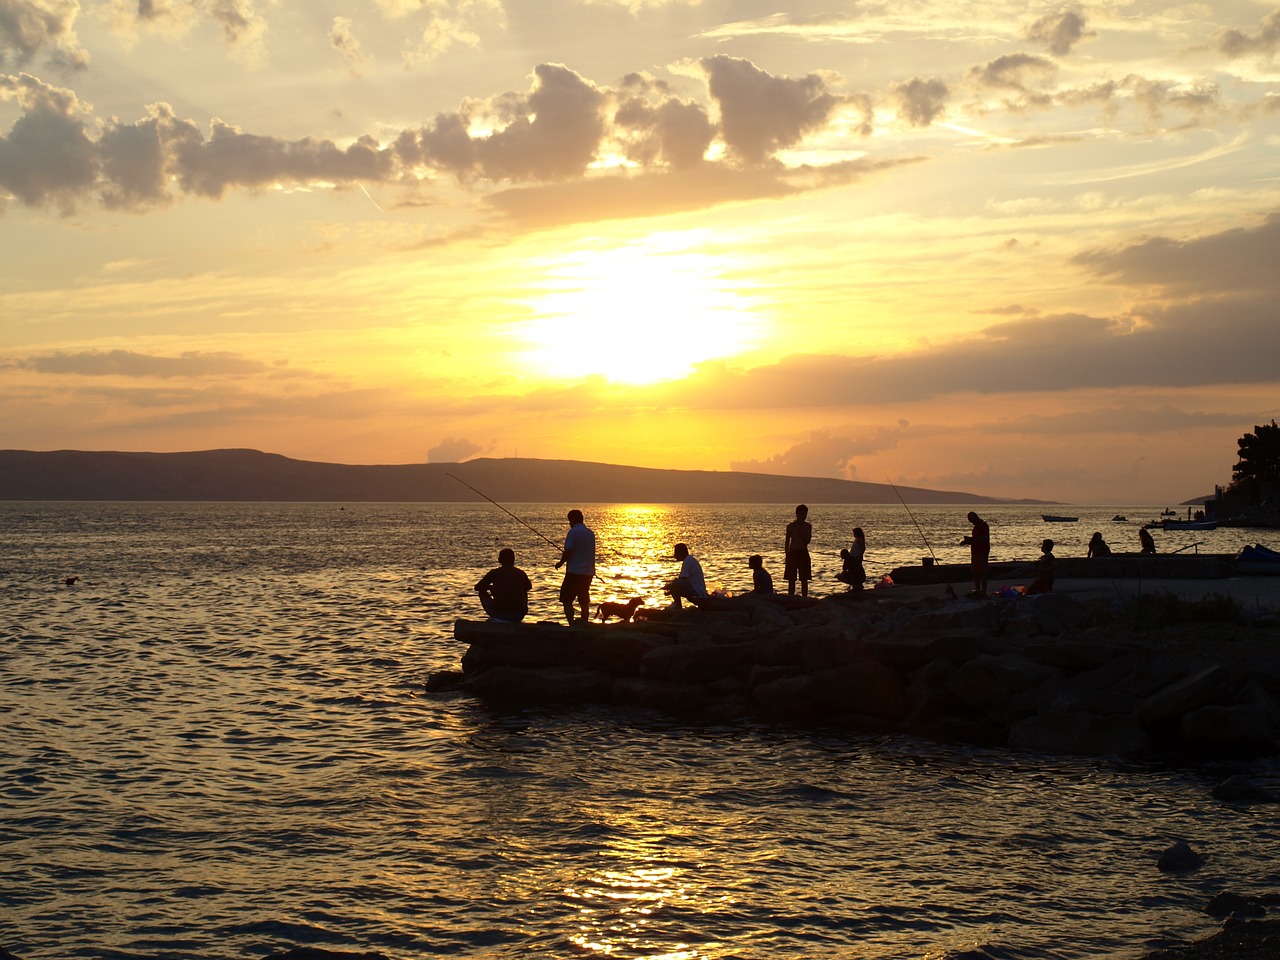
(689, 584)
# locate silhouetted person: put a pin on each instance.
(761, 579)
(504, 590)
(1046, 567)
(1097, 546)
(689, 583)
(979, 542)
(579, 558)
(795, 549)
(853, 572)
(1145, 538)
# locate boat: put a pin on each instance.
(1119, 518)
(1050, 518)
(1258, 559)
(1166, 512)
(1189, 524)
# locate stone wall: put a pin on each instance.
(1045, 673)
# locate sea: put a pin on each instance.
(217, 744)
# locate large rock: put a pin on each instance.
(1080, 733)
(696, 662)
(1183, 696)
(866, 689)
(666, 695)
(1232, 729)
(539, 684)
(993, 684)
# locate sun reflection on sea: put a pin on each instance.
(618, 902)
(637, 561)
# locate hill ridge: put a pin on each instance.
(242, 474)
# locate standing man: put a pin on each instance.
(979, 542)
(796, 551)
(579, 558)
(504, 590)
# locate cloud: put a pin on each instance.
(657, 127)
(1013, 71)
(343, 39)
(1060, 31)
(1235, 262)
(1235, 43)
(47, 156)
(760, 113)
(921, 100)
(826, 453)
(446, 24)
(30, 28)
(127, 363)
(453, 450)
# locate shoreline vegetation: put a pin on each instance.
(250, 475)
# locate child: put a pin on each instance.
(762, 581)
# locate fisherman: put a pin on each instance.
(579, 560)
(979, 543)
(795, 547)
(504, 590)
(761, 579)
(689, 584)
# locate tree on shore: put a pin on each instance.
(1257, 470)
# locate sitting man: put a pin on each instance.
(689, 584)
(1046, 566)
(504, 590)
(761, 579)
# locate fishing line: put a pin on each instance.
(950, 590)
(513, 516)
(505, 510)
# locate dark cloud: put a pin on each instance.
(658, 128)
(1013, 71)
(827, 453)
(230, 158)
(31, 28)
(1235, 43)
(1234, 262)
(760, 113)
(921, 100)
(127, 363)
(47, 156)
(453, 450)
(1060, 31)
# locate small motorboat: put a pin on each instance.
(1119, 518)
(1258, 559)
(1051, 518)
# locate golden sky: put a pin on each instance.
(1018, 249)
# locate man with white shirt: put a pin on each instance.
(690, 583)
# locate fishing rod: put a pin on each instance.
(950, 589)
(514, 517)
(913, 520)
(505, 510)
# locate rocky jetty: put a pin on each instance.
(1151, 675)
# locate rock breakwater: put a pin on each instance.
(1146, 676)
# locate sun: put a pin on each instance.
(639, 313)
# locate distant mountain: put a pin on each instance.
(249, 475)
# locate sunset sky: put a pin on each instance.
(1019, 249)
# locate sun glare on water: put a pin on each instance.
(638, 314)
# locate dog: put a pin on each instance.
(623, 611)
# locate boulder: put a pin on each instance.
(785, 697)
(1080, 733)
(1183, 696)
(1240, 789)
(695, 662)
(1179, 858)
(666, 695)
(991, 683)
(866, 689)
(1234, 905)
(536, 684)
(1231, 729)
